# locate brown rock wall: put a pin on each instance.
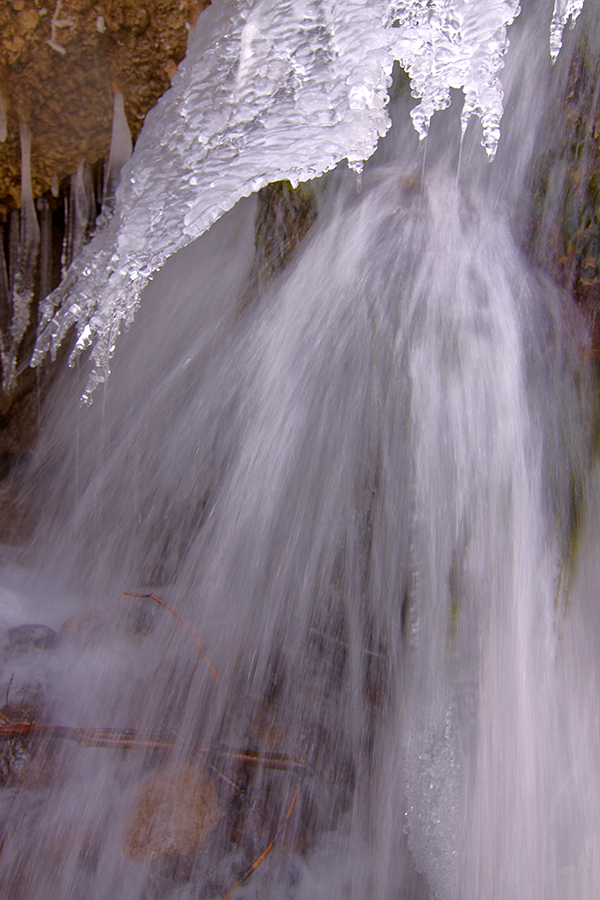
(60, 61)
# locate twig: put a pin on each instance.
(89, 737)
(269, 759)
(246, 875)
(128, 738)
(225, 778)
(8, 688)
(152, 596)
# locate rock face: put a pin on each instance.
(30, 639)
(564, 230)
(60, 63)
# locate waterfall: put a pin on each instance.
(309, 608)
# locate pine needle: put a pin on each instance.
(152, 596)
(267, 849)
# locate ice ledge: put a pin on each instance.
(272, 89)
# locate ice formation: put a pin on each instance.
(563, 11)
(22, 291)
(458, 45)
(45, 222)
(29, 239)
(271, 89)
(120, 151)
(82, 210)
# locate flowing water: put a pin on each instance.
(367, 489)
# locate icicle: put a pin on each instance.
(120, 151)
(4, 306)
(45, 219)
(7, 269)
(430, 46)
(83, 207)
(29, 241)
(13, 245)
(4, 292)
(563, 11)
(3, 118)
(27, 254)
(54, 186)
(65, 254)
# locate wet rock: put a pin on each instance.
(176, 811)
(327, 640)
(24, 761)
(93, 628)
(30, 639)
(17, 520)
(20, 424)
(563, 233)
(32, 767)
(140, 620)
(275, 676)
(260, 814)
(70, 837)
(283, 217)
(330, 758)
(87, 630)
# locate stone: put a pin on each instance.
(24, 761)
(176, 811)
(89, 629)
(30, 639)
(28, 20)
